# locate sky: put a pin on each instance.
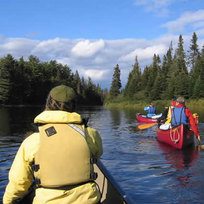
(93, 36)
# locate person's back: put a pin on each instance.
(62, 153)
(178, 115)
(182, 115)
(152, 109)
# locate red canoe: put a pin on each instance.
(178, 137)
(144, 119)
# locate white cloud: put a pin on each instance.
(64, 61)
(187, 19)
(53, 48)
(86, 48)
(97, 58)
(95, 74)
(17, 46)
(145, 53)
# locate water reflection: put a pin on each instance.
(115, 118)
(17, 120)
(180, 161)
(4, 122)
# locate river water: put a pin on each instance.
(146, 170)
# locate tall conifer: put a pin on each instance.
(116, 83)
(193, 52)
(134, 80)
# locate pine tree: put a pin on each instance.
(193, 53)
(194, 56)
(6, 66)
(77, 83)
(202, 51)
(157, 88)
(18, 87)
(156, 78)
(134, 80)
(180, 57)
(180, 73)
(197, 79)
(116, 83)
(151, 75)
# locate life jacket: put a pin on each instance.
(178, 116)
(63, 157)
(168, 118)
(151, 110)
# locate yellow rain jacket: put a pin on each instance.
(20, 175)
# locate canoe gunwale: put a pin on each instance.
(146, 119)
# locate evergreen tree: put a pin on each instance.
(193, 53)
(28, 82)
(77, 83)
(6, 64)
(179, 74)
(116, 83)
(150, 76)
(180, 57)
(17, 83)
(144, 79)
(155, 82)
(157, 89)
(134, 81)
(202, 51)
(197, 79)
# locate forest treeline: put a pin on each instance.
(28, 82)
(178, 73)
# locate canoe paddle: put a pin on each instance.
(144, 126)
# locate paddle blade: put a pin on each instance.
(144, 126)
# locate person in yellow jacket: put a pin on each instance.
(59, 156)
(166, 117)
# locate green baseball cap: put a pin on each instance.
(63, 93)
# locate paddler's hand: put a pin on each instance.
(198, 137)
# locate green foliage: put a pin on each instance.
(134, 81)
(6, 66)
(170, 77)
(193, 53)
(28, 82)
(116, 83)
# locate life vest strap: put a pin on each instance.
(35, 167)
(93, 175)
(77, 129)
(93, 160)
(67, 187)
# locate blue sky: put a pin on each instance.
(92, 36)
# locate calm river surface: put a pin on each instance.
(146, 170)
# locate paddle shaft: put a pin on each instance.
(145, 126)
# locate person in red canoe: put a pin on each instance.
(151, 110)
(166, 115)
(182, 115)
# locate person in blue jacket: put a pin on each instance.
(151, 110)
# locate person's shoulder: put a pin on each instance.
(92, 131)
(188, 112)
(31, 139)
